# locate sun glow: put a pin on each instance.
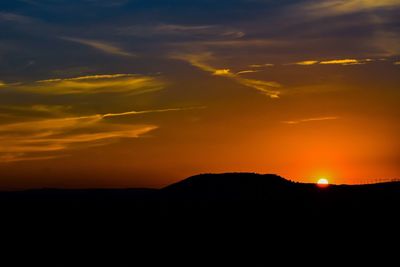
(323, 182)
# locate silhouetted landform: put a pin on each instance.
(231, 211)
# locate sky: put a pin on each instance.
(143, 93)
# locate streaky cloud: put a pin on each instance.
(95, 84)
(307, 62)
(342, 62)
(339, 7)
(247, 71)
(12, 157)
(51, 138)
(15, 110)
(164, 29)
(238, 43)
(15, 18)
(150, 111)
(261, 65)
(101, 46)
(223, 72)
(200, 61)
(311, 120)
(89, 77)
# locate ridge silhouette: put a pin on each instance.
(227, 186)
(230, 212)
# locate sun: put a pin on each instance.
(323, 182)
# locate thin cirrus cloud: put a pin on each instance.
(339, 7)
(101, 46)
(238, 43)
(311, 120)
(181, 30)
(15, 18)
(247, 71)
(307, 62)
(261, 65)
(343, 62)
(34, 110)
(269, 88)
(94, 84)
(378, 17)
(51, 138)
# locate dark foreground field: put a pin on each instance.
(206, 220)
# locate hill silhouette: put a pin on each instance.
(229, 211)
(207, 195)
(228, 186)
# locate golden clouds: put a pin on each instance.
(101, 46)
(311, 120)
(342, 62)
(41, 138)
(262, 86)
(90, 77)
(51, 138)
(115, 83)
(18, 110)
(200, 61)
(307, 62)
(261, 65)
(247, 71)
(149, 111)
(222, 72)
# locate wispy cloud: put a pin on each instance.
(238, 43)
(268, 88)
(223, 72)
(109, 3)
(342, 62)
(101, 46)
(95, 84)
(49, 138)
(307, 62)
(369, 25)
(311, 120)
(32, 110)
(16, 18)
(32, 139)
(246, 71)
(107, 115)
(338, 7)
(261, 65)
(182, 30)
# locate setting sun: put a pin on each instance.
(323, 182)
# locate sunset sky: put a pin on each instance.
(142, 93)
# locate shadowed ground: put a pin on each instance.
(239, 213)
